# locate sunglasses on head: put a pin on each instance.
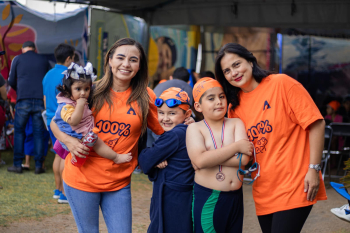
(171, 103)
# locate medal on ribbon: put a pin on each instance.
(220, 176)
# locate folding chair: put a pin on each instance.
(326, 153)
(341, 130)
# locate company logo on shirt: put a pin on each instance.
(261, 145)
(115, 128)
(131, 111)
(263, 127)
(266, 105)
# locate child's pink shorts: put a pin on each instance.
(60, 150)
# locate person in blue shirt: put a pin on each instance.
(167, 164)
(64, 55)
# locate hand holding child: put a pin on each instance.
(122, 158)
(162, 165)
(75, 147)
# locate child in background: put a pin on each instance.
(332, 108)
(167, 164)
(212, 145)
(64, 55)
(73, 115)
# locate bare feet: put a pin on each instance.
(123, 158)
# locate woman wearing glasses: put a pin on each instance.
(123, 107)
(287, 130)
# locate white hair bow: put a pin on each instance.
(89, 71)
(75, 71)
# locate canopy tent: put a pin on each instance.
(305, 54)
(20, 24)
(248, 13)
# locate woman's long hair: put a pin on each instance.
(138, 84)
(232, 93)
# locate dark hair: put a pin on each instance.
(207, 73)
(77, 58)
(182, 74)
(200, 99)
(66, 87)
(232, 93)
(29, 44)
(62, 51)
(139, 83)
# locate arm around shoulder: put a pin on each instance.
(152, 118)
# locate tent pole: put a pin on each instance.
(200, 52)
(89, 33)
(309, 62)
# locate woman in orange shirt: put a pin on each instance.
(287, 130)
(123, 107)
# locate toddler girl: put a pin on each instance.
(73, 115)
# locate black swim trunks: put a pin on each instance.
(217, 211)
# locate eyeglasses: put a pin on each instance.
(171, 103)
(253, 168)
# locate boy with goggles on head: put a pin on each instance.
(212, 145)
(167, 164)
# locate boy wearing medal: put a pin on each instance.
(211, 145)
(167, 164)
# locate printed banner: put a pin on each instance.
(171, 47)
(256, 40)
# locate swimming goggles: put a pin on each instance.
(255, 166)
(171, 103)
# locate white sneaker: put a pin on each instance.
(10, 131)
(342, 212)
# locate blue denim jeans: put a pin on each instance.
(25, 108)
(115, 207)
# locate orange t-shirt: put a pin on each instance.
(120, 129)
(277, 115)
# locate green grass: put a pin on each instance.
(27, 196)
(342, 231)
